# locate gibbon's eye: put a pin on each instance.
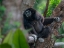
(28, 13)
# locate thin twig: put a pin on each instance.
(46, 9)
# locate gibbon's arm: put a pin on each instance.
(50, 20)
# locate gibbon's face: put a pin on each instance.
(30, 14)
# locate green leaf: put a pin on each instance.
(5, 46)
(17, 24)
(63, 40)
(63, 26)
(2, 8)
(19, 40)
(8, 38)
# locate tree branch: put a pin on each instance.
(58, 44)
(45, 12)
(60, 36)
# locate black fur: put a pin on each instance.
(33, 14)
(48, 21)
(44, 32)
(27, 20)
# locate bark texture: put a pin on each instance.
(58, 12)
(48, 43)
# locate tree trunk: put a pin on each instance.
(48, 43)
(59, 12)
(16, 8)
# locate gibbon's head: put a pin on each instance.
(29, 14)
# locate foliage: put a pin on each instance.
(52, 5)
(8, 38)
(1, 2)
(15, 40)
(19, 40)
(40, 6)
(6, 25)
(36, 3)
(61, 30)
(5, 46)
(2, 9)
